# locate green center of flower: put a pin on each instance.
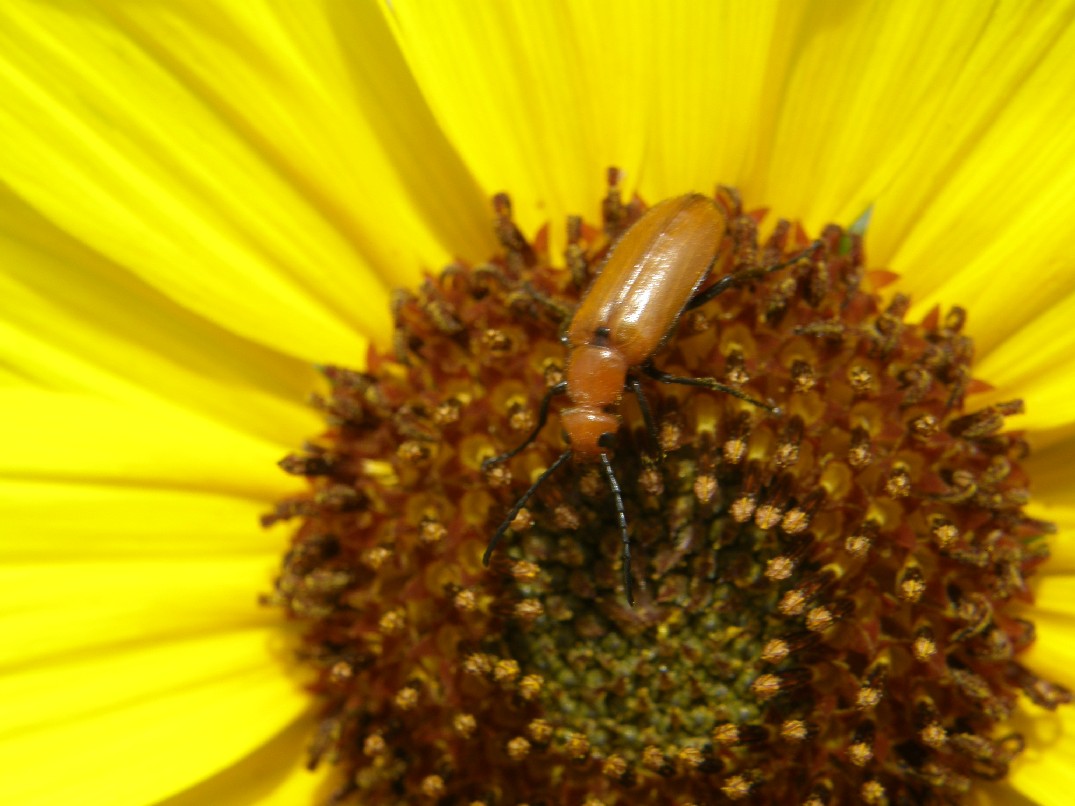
(827, 595)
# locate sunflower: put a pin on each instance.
(201, 203)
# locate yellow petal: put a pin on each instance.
(119, 147)
(273, 775)
(143, 722)
(1037, 362)
(75, 321)
(68, 522)
(56, 436)
(1050, 473)
(56, 610)
(1043, 772)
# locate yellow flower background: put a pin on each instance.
(199, 201)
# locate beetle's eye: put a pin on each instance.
(607, 440)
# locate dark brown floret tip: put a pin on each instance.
(827, 599)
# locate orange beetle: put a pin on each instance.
(650, 277)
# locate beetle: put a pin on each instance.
(649, 278)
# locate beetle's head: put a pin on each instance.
(589, 430)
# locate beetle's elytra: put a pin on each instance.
(650, 277)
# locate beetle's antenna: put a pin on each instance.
(543, 416)
(728, 280)
(522, 503)
(621, 516)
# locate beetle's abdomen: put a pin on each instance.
(649, 277)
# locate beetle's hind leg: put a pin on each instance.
(744, 275)
(710, 383)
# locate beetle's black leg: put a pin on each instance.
(543, 416)
(709, 383)
(728, 280)
(563, 457)
(621, 516)
(635, 386)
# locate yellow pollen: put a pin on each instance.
(521, 420)
(392, 622)
(767, 516)
(374, 745)
(779, 568)
(577, 746)
(735, 450)
(433, 786)
(924, 648)
(795, 522)
(529, 610)
(819, 619)
(736, 788)
(523, 520)
(726, 734)
(912, 588)
(413, 452)
(342, 671)
(792, 604)
(859, 455)
(464, 725)
(934, 735)
(743, 508)
(775, 650)
(406, 698)
(898, 484)
(867, 698)
(669, 436)
(873, 793)
(690, 758)
(705, 489)
(524, 570)
(477, 664)
(566, 518)
(803, 376)
(466, 600)
(945, 534)
(766, 686)
(530, 686)
(614, 766)
(925, 426)
(518, 748)
(540, 731)
(860, 754)
(794, 730)
(857, 545)
(430, 532)
(506, 671)
(375, 557)
(653, 758)
(787, 454)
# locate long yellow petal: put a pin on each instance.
(281, 254)
(154, 445)
(146, 721)
(273, 775)
(98, 522)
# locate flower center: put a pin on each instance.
(827, 586)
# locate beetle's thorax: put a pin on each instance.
(595, 379)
